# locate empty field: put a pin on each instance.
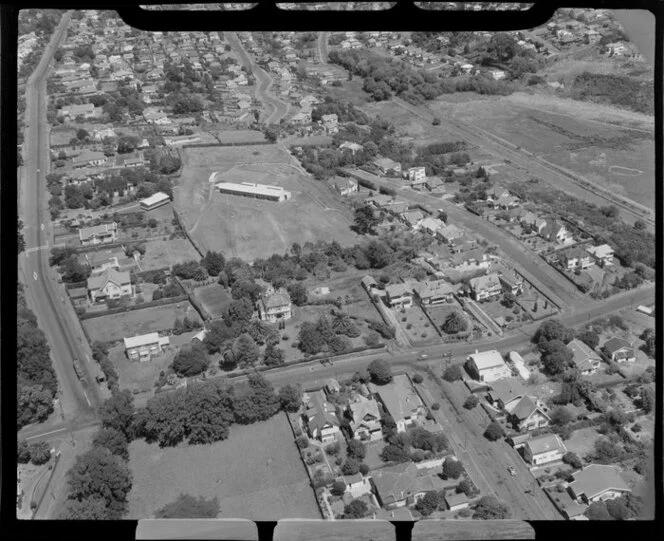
(239, 136)
(251, 479)
(166, 253)
(214, 299)
(118, 326)
(250, 228)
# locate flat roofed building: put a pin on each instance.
(488, 366)
(156, 200)
(145, 346)
(258, 191)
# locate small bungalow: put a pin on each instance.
(597, 482)
(585, 359)
(619, 350)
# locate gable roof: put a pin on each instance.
(582, 353)
(279, 298)
(595, 479)
(526, 407)
(396, 483)
(489, 281)
(399, 397)
(614, 344)
(507, 389)
(487, 359)
(320, 411)
(119, 278)
(398, 290)
(360, 407)
(141, 340)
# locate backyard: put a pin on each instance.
(252, 480)
(115, 327)
(582, 441)
(161, 253)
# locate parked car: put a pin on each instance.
(512, 471)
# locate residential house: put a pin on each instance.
(511, 281)
(432, 292)
(98, 234)
(488, 366)
(556, 232)
(603, 254)
(364, 418)
(346, 186)
(575, 258)
(401, 401)
(353, 147)
(320, 417)
(597, 482)
(450, 233)
(418, 184)
(505, 393)
(544, 449)
(399, 296)
(486, 287)
(386, 165)
(585, 359)
(528, 414)
(400, 485)
(412, 218)
(330, 123)
(356, 485)
(434, 184)
(456, 502)
(100, 261)
(86, 110)
(275, 307)
(111, 284)
(369, 284)
(89, 158)
(619, 350)
(416, 174)
(144, 347)
(432, 225)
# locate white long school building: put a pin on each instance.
(258, 191)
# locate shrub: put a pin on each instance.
(471, 402)
(435, 406)
(494, 432)
(452, 469)
(302, 442)
(417, 378)
(573, 460)
(338, 488)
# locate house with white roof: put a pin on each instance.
(603, 254)
(98, 234)
(585, 359)
(364, 418)
(416, 174)
(401, 401)
(597, 482)
(399, 296)
(486, 287)
(145, 346)
(488, 366)
(544, 449)
(155, 200)
(111, 284)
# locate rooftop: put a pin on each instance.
(545, 444)
(487, 359)
(597, 478)
(141, 340)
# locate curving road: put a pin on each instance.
(321, 47)
(43, 294)
(277, 109)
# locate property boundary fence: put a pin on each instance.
(186, 234)
(151, 304)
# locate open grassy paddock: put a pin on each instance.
(251, 479)
(118, 326)
(250, 228)
(166, 253)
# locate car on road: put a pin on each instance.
(423, 357)
(511, 470)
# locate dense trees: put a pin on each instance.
(453, 373)
(186, 506)
(338, 488)
(273, 355)
(428, 503)
(113, 440)
(191, 360)
(351, 466)
(494, 432)
(290, 397)
(452, 469)
(320, 336)
(355, 509)
(490, 508)
(100, 475)
(209, 413)
(255, 401)
(380, 371)
(648, 337)
(471, 402)
(118, 413)
(561, 416)
(420, 438)
(614, 89)
(214, 262)
(40, 453)
(455, 323)
(550, 330)
(245, 352)
(356, 449)
(556, 357)
(589, 337)
(573, 460)
(298, 293)
(365, 221)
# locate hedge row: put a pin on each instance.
(111, 311)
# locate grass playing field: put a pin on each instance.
(251, 228)
(250, 478)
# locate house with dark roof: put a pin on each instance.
(401, 485)
(432, 292)
(585, 359)
(528, 414)
(399, 296)
(275, 307)
(619, 350)
(597, 482)
(386, 165)
(506, 392)
(320, 418)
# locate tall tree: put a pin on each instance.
(209, 413)
(365, 221)
(380, 371)
(290, 397)
(93, 508)
(118, 412)
(245, 351)
(113, 440)
(191, 360)
(273, 355)
(490, 508)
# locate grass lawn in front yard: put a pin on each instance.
(441, 312)
(494, 309)
(115, 327)
(161, 253)
(251, 479)
(372, 458)
(417, 326)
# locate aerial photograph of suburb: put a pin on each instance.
(379, 275)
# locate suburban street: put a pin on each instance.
(43, 294)
(321, 48)
(263, 79)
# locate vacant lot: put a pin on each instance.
(118, 326)
(166, 253)
(251, 480)
(239, 136)
(214, 299)
(582, 441)
(250, 228)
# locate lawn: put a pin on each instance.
(239, 136)
(250, 228)
(252, 480)
(214, 299)
(582, 441)
(440, 313)
(125, 324)
(165, 253)
(417, 326)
